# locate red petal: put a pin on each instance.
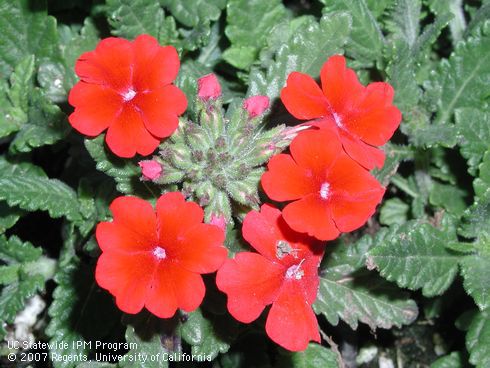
(261, 231)
(173, 288)
(199, 249)
(356, 193)
(291, 322)
(340, 84)
(118, 238)
(311, 215)
(303, 97)
(154, 66)
(95, 107)
(374, 119)
(127, 135)
(127, 277)
(285, 180)
(137, 216)
(160, 109)
(109, 64)
(176, 216)
(366, 155)
(316, 150)
(251, 282)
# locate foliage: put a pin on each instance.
(425, 255)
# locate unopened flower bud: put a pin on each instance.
(218, 220)
(208, 87)
(256, 105)
(150, 169)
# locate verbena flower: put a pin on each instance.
(283, 273)
(126, 88)
(331, 193)
(364, 117)
(154, 258)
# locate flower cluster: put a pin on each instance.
(153, 257)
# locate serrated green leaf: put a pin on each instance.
(478, 340)
(476, 219)
(46, 125)
(148, 347)
(248, 26)
(393, 211)
(8, 216)
(454, 8)
(453, 360)
(79, 311)
(348, 291)
(313, 357)
(475, 270)
(206, 336)
(305, 51)
(366, 39)
(14, 296)
(395, 154)
(32, 192)
(130, 18)
(125, 172)
(414, 256)
(473, 127)
(25, 30)
(448, 197)
(462, 79)
(14, 250)
(192, 12)
(482, 183)
(404, 20)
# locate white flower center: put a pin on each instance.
(159, 252)
(325, 190)
(295, 272)
(129, 95)
(338, 120)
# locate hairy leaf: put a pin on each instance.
(305, 51)
(314, 356)
(478, 340)
(453, 360)
(348, 291)
(192, 12)
(414, 256)
(475, 270)
(248, 26)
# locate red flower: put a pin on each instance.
(208, 87)
(154, 259)
(125, 87)
(150, 169)
(284, 274)
(256, 105)
(364, 117)
(331, 192)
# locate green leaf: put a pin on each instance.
(46, 125)
(475, 270)
(248, 26)
(313, 357)
(454, 8)
(448, 197)
(151, 347)
(461, 81)
(348, 291)
(478, 340)
(208, 336)
(307, 48)
(473, 127)
(395, 154)
(125, 172)
(80, 312)
(393, 211)
(14, 250)
(32, 192)
(476, 219)
(366, 40)
(192, 12)
(8, 216)
(482, 183)
(130, 18)
(404, 20)
(453, 360)
(26, 30)
(14, 296)
(414, 256)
